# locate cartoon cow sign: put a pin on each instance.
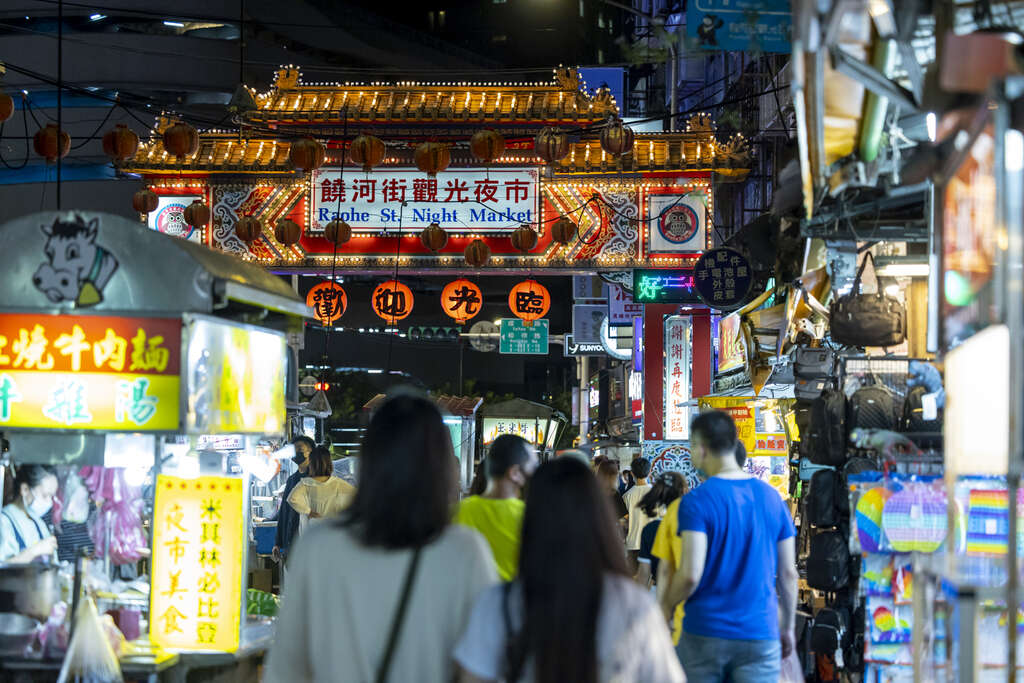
(77, 269)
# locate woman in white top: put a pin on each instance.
(320, 495)
(383, 593)
(573, 614)
(24, 535)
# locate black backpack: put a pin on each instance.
(871, 407)
(804, 651)
(823, 499)
(831, 631)
(828, 562)
(913, 412)
(812, 371)
(826, 435)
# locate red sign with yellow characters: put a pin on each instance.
(89, 372)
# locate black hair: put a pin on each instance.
(570, 544)
(405, 486)
(507, 451)
(666, 488)
(479, 483)
(320, 463)
(716, 430)
(741, 454)
(30, 475)
(304, 439)
(640, 467)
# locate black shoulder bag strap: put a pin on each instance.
(396, 623)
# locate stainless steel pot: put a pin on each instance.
(16, 634)
(30, 589)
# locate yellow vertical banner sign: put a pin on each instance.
(195, 598)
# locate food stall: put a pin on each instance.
(535, 422)
(133, 352)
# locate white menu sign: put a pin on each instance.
(458, 201)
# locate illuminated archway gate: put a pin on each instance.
(651, 208)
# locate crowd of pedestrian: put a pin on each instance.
(565, 570)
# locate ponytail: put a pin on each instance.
(666, 488)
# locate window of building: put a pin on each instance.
(581, 8)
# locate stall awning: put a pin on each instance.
(96, 262)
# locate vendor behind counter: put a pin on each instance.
(24, 536)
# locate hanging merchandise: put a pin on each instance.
(858, 319)
(392, 301)
(328, 300)
(825, 442)
(914, 517)
(828, 563)
(870, 495)
(822, 500)
(813, 369)
(871, 407)
(461, 300)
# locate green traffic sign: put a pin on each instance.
(517, 337)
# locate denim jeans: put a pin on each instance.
(717, 660)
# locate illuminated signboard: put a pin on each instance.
(730, 344)
(664, 287)
(530, 429)
(236, 380)
(195, 599)
(677, 378)
(457, 200)
(89, 372)
(169, 217)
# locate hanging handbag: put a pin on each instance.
(858, 319)
(399, 618)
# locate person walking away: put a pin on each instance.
(608, 476)
(320, 494)
(384, 592)
(497, 513)
(738, 577)
(627, 480)
(24, 536)
(287, 517)
(636, 520)
(666, 489)
(573, 613)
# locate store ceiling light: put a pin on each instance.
(97, 17)
(175, 24)
(903, 269)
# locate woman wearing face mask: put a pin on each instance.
(24, 535)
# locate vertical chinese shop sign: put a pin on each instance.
(677, 378)
(195, 600)
(89, 372)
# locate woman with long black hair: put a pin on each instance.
(573, 614)
(669, 486)
(382, 593)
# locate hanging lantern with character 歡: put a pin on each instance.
(328, 300)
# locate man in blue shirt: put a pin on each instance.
(737, 577)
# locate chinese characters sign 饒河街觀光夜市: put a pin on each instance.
(195, 598)
(457, 200)
(677, 378)
(89, 372)
(519, 338)
(664, 286)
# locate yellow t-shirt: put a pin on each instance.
(500, 521)
(668, 547)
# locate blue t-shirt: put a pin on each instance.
(744, 519)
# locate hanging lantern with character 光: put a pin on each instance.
(529, 300)
(461, 300)
(328, 300)
(392, 301)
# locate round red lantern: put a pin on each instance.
(524, 238)
(50, 143)
(432, 157)
(338, 232)
(121, 143)
(367, 151)
(616, 138)
(287, 232)
(434, 237)
(551, 145)
(328, 300)
(563, 230)
(248, 229)
(461, 300)
(6, 106)
(529, 300)
(477, 254)
(145, 201)
(487, 145)
(197, 214)
(392, 301)
(181, 139)
(307, 154)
